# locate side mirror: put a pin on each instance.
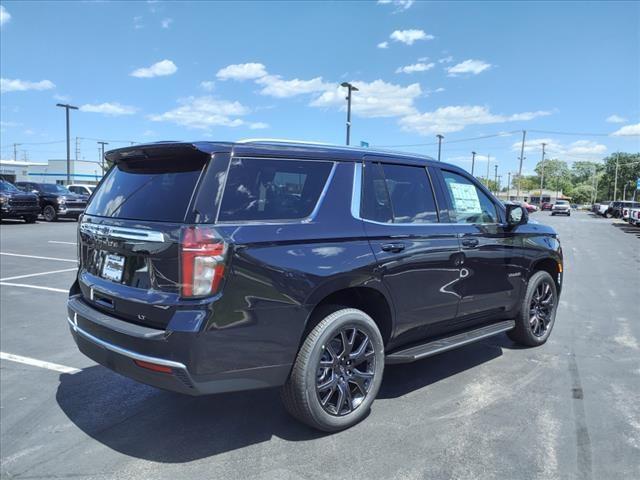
(516, 215)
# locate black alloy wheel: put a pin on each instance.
(541, 308)
(345, 371)
(49, 213)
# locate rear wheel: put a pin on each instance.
(537, 312)
(337, 373)
(49, 213)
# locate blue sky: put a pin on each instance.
(146, 71)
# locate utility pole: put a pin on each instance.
(488, 163)
(495, 174)
(615, 183)
(498, 186)
(473, 161)
(524, 135)
(77, 148)
(440, 137)
(350, 89)
(102, 144)
(542, 176)
(508, 185)
(15, 151)
(68, 107)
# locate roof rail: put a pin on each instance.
(279, 140)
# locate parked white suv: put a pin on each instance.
(561, 207)
(81, 188)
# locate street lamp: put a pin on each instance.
(440, 137)
(350, 88)
(473, 161)
(68, 107)
(102, 144)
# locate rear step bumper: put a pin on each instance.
(128, 349)
(434, 347)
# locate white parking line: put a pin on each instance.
(23, 285)
(39, 258)
(37, 274)
(66, 243)
(37, 363)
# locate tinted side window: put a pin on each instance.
(410, 193)
(470, 204)
(261, 189)
(375, 204)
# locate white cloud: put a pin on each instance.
(456, 118)
(374, 99)
(137, 22)
(468, 66)
(204, 113)
(275, 86)
(242, 71)
(616, 119)
(383, 45)
(627, 130)
(439, 89)
(5, 16)
(410, 36)
(159, 69)
(416, 67)
(399, 4)
(111, 109)
(448, 59)
(207, 85)
(166, 22)
(16, 85)
(258, 125)
(62, 98)
(584, 149)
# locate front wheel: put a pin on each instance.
(49, 213)
(537, 312)
(337, 373)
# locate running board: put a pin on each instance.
(425, 350)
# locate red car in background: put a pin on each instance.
(546, 206)
(530, 208)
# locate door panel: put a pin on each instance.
(418, 262)
(491, 282)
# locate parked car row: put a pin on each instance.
(28, 200)
(617, 209)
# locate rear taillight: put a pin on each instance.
(202, 258)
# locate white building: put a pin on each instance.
(532, 196)
(54, 171)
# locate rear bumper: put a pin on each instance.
(117, 345)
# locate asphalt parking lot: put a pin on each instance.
(568, 409)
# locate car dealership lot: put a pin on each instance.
(568, 409)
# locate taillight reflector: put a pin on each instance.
(153, 366)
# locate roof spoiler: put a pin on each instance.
(157, 150)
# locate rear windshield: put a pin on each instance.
(562, 202)
(150, 189)
(261, 189)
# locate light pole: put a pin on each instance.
(440, 137)
(524, 135)
(102, 144)
(615, 184)
(495, 168)
(508, 185)
(350, 89)
(488, 163)
(68, 107)
(473, 161)
(542, 176)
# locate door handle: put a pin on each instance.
(393, 247)
(470, 242)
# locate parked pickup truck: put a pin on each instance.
(632, 215)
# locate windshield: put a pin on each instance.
(51, 188)
(7, 187)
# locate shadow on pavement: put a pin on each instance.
(626, 228)
(147, 423)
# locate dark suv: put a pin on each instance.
(17, 204)
(55, 200)
(216, 267)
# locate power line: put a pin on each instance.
(500, 134)
(580, 134)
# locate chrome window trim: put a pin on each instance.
(122, 232)
(122, 351)
(308, 219)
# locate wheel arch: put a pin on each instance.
(550, 265)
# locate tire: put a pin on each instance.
(49, 213)
(347, 395)
(530, 332)
(553, 214)
(30, 218)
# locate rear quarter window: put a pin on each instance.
(268, 189)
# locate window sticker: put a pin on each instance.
(465, 198)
